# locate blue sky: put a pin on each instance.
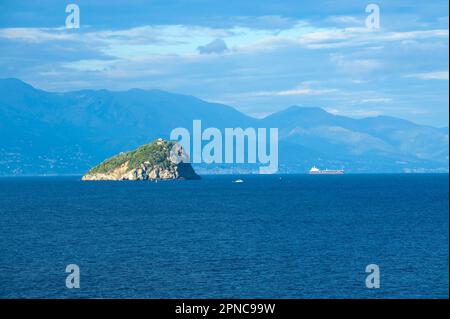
(258, 56)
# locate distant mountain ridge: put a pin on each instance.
(67, 133)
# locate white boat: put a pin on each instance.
(315, 170)
(238, 181)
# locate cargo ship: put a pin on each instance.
(315, 170)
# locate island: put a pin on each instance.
(159, 160)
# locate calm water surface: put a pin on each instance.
(270, 237)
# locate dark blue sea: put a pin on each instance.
(269, 237)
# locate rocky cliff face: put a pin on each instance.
(160, 160)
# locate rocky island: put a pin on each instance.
(159, 160)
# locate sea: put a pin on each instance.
(272, 236)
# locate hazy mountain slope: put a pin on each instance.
(67, 133)
(70, 132)
(379, 143)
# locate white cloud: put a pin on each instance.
(357, 113)
(90, 65)
(186, 39)
(377, 100)
(291, 92)
(353, 65)
(345, 19)
(437, 75)
(348, 37)
(36, 34)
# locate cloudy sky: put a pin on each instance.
(258, 56)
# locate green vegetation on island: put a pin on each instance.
(160, 159)
(156, 153)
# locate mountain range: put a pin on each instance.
(47, 133)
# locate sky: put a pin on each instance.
(257, 56)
